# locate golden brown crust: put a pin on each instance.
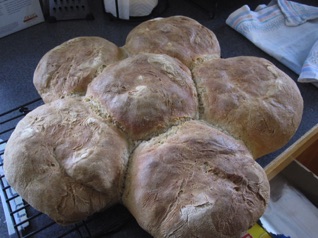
(70, 67)
(178, 36)
(68, 163)
(195, 181)
(251, 99)
(146, 94)
(192, 178)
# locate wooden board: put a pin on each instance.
(309, 158)
(303, 146)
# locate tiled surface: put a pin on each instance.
(21, 51)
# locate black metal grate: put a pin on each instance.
(60, 10)
(26, 222)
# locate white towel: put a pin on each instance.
(130, 8)
(286, 30)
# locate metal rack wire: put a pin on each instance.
(23, 221)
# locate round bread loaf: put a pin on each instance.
(186, 178)
(68, 68)
(178, 36)
(195, 181)
(66, 162)
(251, 99)
(145, 94)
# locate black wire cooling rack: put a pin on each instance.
(23, 221)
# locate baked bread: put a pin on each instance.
(195, 181)
(251, 99)
(145, 94)
(68, 68)
(65, 161)
(178, 36)
(171, 131)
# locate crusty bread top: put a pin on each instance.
(65, 161)
(146, 94)
(69, 67)
(251, 99)
(178, 36)
(184, 177)
(195, 181)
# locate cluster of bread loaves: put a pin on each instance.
(162, 125)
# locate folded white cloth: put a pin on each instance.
(130, 8)
(286, 30)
